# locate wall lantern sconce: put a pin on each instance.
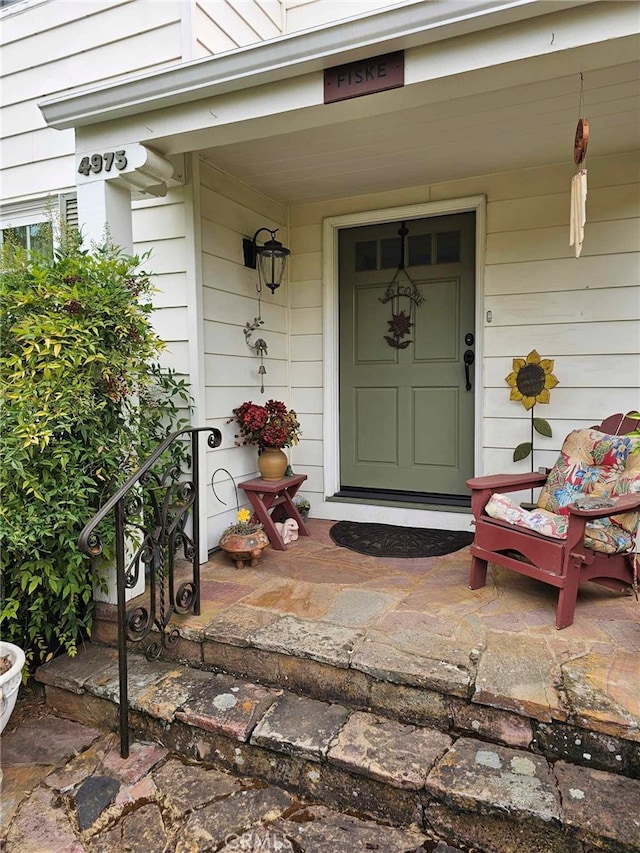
(270, 259)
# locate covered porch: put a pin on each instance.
(484, 124)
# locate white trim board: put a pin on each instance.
(330, 344)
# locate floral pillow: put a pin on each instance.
(543, 522)
(596, 464)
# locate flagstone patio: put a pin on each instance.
(414, 623)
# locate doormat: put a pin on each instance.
(389, 540)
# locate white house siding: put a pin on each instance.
(160, 227)
(583, 313)
(301, 14)
(50, 46)
(230, 211)
(221, 25)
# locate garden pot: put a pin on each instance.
(272, 463)
(244, 547)
(10, 680)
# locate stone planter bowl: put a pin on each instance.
(10, 681)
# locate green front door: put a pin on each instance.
(406, 413)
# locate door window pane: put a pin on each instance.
(366, 255)
(419, 249)
(389, 253)
(448, 247)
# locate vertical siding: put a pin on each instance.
(583, 313)
(53, 45)
(229, 212)
(221, 25)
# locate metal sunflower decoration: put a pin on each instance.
(531, 381)
(399, 326)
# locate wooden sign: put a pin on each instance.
(365, 77)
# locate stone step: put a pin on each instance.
(491, 797)
(66, 790)
(318, 660)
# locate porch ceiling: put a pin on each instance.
(446, 130)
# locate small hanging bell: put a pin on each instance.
(262, 370)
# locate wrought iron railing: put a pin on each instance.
(152, 511)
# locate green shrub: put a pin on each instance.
(82, 407)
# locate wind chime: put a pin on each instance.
(579, 181)
(401, 323)
(260, 346)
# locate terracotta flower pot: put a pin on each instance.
(244, 547)
(272, 463)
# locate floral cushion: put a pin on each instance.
(609, 538)
(596, 464)
(606, 536)
(590, 463)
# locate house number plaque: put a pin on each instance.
(97, 163)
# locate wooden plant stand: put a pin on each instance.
(267, 495)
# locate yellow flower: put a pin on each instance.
(243, 515)
(531, 380)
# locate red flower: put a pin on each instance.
(251, 417)
(274, 435)
(275, 407)
(271, 425)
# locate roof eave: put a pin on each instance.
(288, 56)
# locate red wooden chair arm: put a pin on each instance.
(482, 488)
(507, 482)
(624, 503)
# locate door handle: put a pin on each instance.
(469, 358)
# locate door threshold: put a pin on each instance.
(406, 500)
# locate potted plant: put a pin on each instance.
(271, 427)
(244, 540)
(11, 663)
(303, 506)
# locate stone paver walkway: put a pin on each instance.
(66, 790)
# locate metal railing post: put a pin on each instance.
(122, 630)
(163, 532)
(195, 468)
